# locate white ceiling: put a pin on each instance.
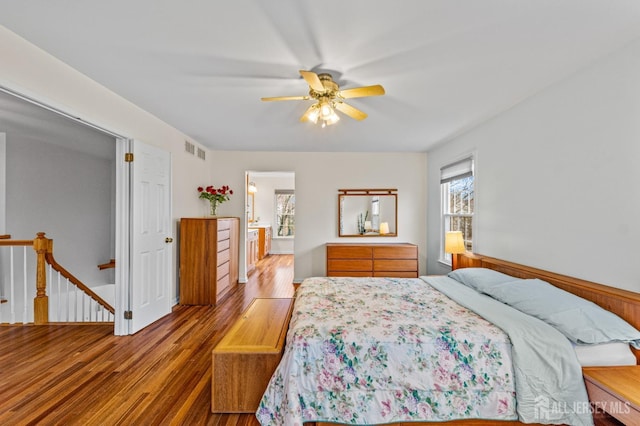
(447, 65)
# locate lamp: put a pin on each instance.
(384, 228)
(252, 189)
(454, 244)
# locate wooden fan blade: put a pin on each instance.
(307, 113)
(313, 80)
(287, 98)
(350, 111)
(360, 92)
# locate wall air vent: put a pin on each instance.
(189, 147)
(201, 153)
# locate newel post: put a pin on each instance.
(41, 301)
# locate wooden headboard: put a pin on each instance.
(624, 303)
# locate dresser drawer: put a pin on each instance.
(349, 252)
(222, 284)
(396, 274)
(224, 224)
(395, 265)
(223, 257)
(349, 274)
(350, 265)
(223, 234)
(223, 269)
(223, 245)
(395, 252)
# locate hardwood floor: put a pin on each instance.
(84, 375)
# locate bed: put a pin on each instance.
(432, 349)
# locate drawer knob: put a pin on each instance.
(168, 240)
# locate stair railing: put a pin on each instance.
(43, 248)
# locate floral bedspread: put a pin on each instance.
(381, 350)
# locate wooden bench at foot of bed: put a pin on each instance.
(246, 357)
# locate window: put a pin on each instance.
(285, 212)
(458, 201)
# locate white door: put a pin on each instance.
(151, 239)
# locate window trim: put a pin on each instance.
(459, 169)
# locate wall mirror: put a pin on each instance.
(367, 212)
(250, 207)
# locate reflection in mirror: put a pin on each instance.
(250, 207)
(367, 212)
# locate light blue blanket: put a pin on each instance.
(548, 377)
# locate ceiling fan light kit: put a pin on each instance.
(322, 110)
(329, 98)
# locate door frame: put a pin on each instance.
(123, 211)
(250, 175)
(122, 214)
(122, 326)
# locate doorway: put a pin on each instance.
(86, 186)
(270, 202)
(57, 177)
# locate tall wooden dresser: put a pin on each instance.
(372, 260)
(209, 258)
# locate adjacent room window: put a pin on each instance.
(458, 202)
(285, 212)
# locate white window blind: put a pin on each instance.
(458, 170)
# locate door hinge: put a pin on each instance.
(128, 157)
(128, 314)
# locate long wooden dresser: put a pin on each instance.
(209, 258)
(372, 260)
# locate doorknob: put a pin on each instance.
(168, 240)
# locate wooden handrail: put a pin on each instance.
(68, 275)
(44, 254)
(110, 264)
(6, 242)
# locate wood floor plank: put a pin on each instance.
(84, 375)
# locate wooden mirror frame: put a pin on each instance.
(251, 207)
(343, 195)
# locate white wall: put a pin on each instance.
(30, 71)
(557, 177)
(67, 194)
(318, 178)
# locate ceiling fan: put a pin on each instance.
(329, 98)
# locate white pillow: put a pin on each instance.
(604, 354)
